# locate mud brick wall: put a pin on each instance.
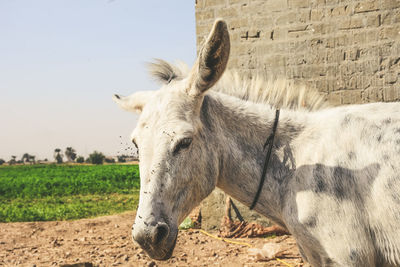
(348, 50)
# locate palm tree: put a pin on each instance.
(31, 159)
(58, 156)
(25, 158)
(12, 160)
(70, 153)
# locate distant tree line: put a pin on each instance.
(70, 155)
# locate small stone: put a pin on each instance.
(152, 264)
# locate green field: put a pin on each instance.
(63, 192)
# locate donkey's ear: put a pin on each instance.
(134, 102)
(212, 59)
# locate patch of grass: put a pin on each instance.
(66, 207)
(186, 224)
(65, 192)
(36, 181)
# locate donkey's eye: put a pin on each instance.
(184, 143)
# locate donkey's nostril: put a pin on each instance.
(160, 233)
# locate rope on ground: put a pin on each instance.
(240, 243)
(226, 240)
(283, 262)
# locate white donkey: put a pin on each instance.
(333, 179)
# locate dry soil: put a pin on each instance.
(106, 241)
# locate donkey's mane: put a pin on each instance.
(279, 93)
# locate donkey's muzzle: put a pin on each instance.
(159, 233)
(157, 240)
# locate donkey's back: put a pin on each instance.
(346, 187)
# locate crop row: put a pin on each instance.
(37, 181)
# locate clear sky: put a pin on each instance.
(60, 62)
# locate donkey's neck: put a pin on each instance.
(240, 129)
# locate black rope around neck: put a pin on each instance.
(270, 142)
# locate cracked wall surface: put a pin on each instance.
(348, 50)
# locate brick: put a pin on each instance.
(338, 11)
(261, 8)
(203, 30)
(366, 7)
(238, 23)
(390, 33)
(351, 23)
(351, 97)
(242, 2)
(317, 14)
(372, 94)
(212, 3)
(353, 54)
(331, 2)
(390, 4)
(359, 38)
(321, 85)
(390, 93)
(227, 12)
(371, 66)
(274, 5)
(205, 15)
(262, 22)
(373, 21)
(323, 28)
(300, 34)
(292, 17)
(298, 3)
(280, 33)
(316, 3)
(390, 17)
(391, 77)
(334, 98)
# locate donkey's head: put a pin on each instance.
(177, 168)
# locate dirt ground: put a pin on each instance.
(106, 241)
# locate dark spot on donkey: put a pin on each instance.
(346, 120)
(351, 155)
(342, 183)
(319, 176)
